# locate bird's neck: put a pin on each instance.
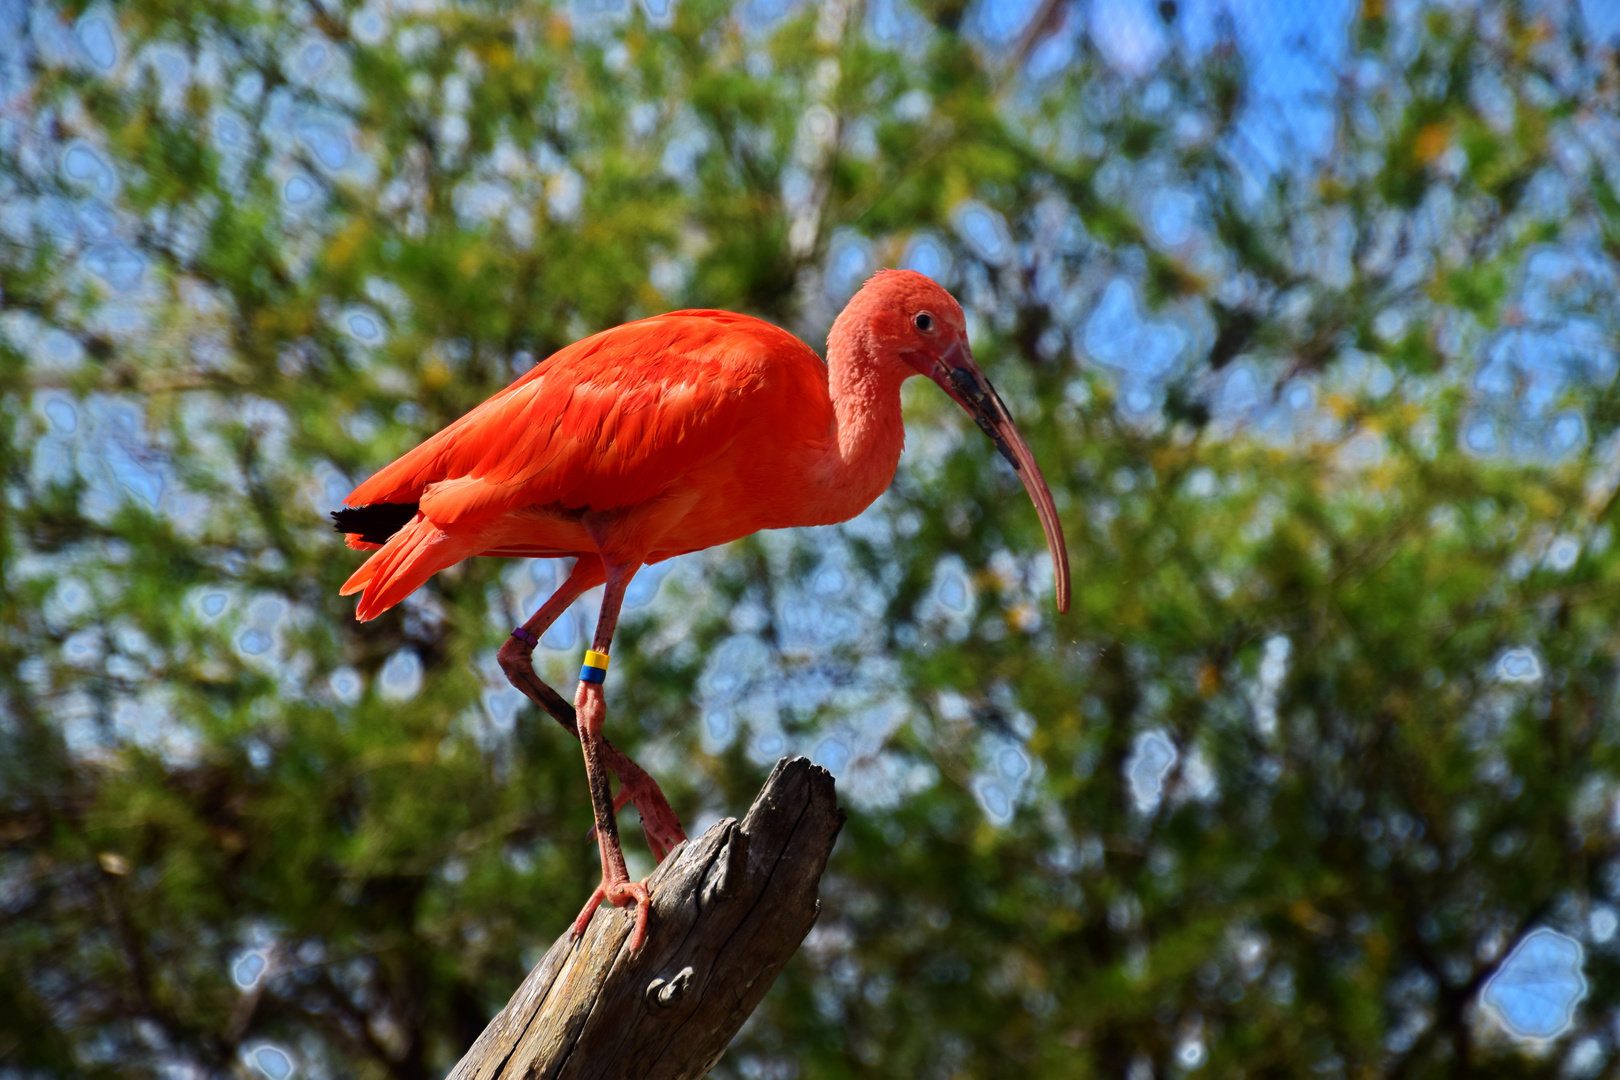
(868, 434)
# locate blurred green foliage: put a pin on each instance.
(1333, 440)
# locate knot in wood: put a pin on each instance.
(730, 867)
(665, 993)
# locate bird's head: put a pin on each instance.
(912, 318)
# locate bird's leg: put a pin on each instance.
(515, 656)
(636, 785)
(591, 710)
(662, 827)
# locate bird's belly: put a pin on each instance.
(714, 504)
(741, 505)
(535, 531)
(695, 534)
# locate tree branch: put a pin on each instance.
(729, 909)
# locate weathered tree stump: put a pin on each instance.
(728, 909)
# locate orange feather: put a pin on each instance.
(610, 422)
(678, 433)
(604, 423)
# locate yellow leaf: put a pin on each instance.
(342, 249)
(1304, 914)
(434, 374)
(499, 58)
(1431, 142)
(1209, 679)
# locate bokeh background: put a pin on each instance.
(1308, 309)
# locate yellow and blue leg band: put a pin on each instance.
(595, 667)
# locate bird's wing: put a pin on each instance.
(609, 421)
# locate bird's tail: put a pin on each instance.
(411, 556)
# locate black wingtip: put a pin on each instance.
(374, 523)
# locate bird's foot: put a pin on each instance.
(619, 894)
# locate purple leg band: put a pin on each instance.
(524, 636)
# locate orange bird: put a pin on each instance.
(656, 438)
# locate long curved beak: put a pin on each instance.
(959, 376)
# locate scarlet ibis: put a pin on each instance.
(657, 438)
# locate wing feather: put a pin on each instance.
(606, 422)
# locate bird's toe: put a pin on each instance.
(584, 918)
(633, 892)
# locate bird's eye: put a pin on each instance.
(923, 321)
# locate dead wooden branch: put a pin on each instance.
(728, 909)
